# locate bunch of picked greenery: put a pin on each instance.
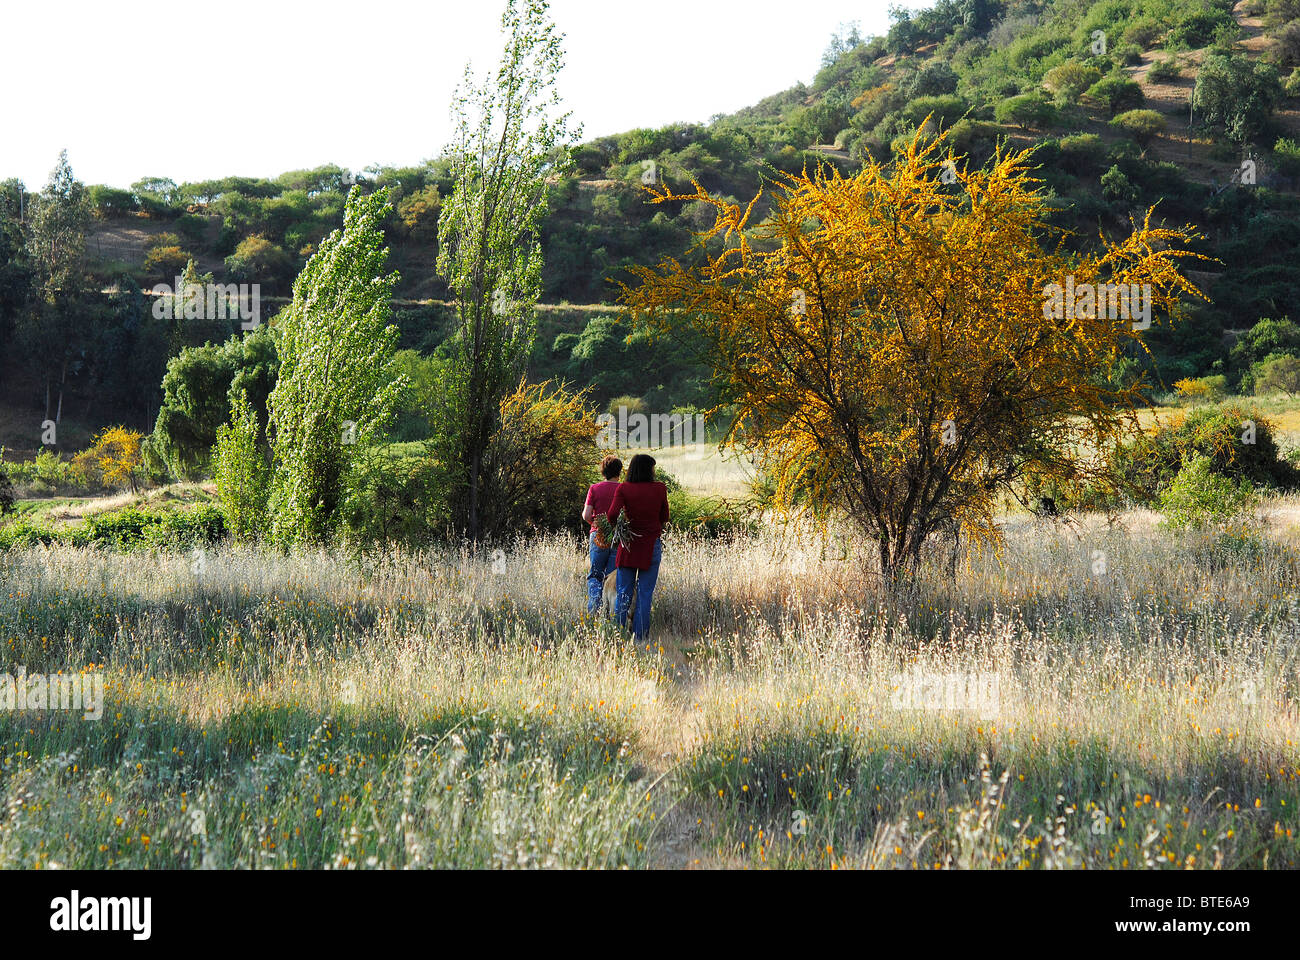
(619, 533)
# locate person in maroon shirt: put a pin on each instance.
(646, 501)
(599, 497)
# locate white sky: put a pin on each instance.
(197, 90)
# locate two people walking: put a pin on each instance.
(635, 565)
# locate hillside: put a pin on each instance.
(992, 74)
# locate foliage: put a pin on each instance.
(508, 141)
(540, 460)
(1198, 497)
(1237, 94)
(199, 387)
(115, 455)
(1148, 464)
(241, 471)
(336, 387)
(1116, 93)
(1026, 111)
(395, 496)
(1068, 80)
(871, 317)
(1141, 125)
(1278, 373)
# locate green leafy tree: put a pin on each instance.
(508, 142)
(1279, 373)
(241, 470)
(53, 333)
(337, 386)
(1237, 94)
(199, 388)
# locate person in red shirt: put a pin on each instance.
(599, 497)
(646, 501)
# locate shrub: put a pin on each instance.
(1196, 29)
(1202, 389)
(162, 264)
(1278, 373)
(1292, 85)
(6, 492)
(1165, 71)
(1237, 94)
(1026, 111)
(1082, 153)
(1147, 465)
(1286, 157)
(114, 457)
(257, 260)
(1141, 125)
(1117, 188)
(1198, 497)
(705, 516)
(396, 495)
(1067, 80)
(540, 460)
(1115, 93)
(108, 202)
(1142, 32)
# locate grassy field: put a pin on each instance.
(308, 711)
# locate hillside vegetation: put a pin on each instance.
(1130, 102)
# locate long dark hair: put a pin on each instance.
(641, 469)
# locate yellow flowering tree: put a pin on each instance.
(901, 344)
(115, 454)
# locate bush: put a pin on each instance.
(1117, 188)
(1141, 125)
(1196, 29)
(1279, 373)
(1202, 389)
(1166, 70)
(134, 529)
(6, 492)
(1198, 497)
(540, 461)
(1286, 157)
(706, 516)
(1026, 111)
(241, 471)
(1115, 93)
(163, 264)
(1292, 85)
(1067, 80)
(257, 260)
(108, 202)
(395, 496)
(1237, 94)
(1142, 32)
(1146, 466)
(1082, 153)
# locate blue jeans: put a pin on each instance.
(602, 565)
(643, 582)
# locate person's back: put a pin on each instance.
(647, 512)
(645, 501)
(600, 496)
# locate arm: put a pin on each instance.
(588, 511)
(663, 510)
